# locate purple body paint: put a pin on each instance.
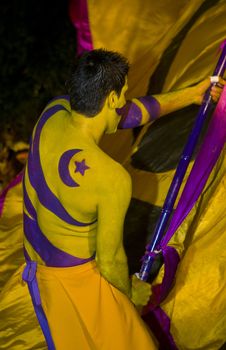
(81, 167)
(131, 114)
(63, 167)
(51, 255)
(152, 106)
(46, 197)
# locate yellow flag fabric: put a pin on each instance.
(19, 327)
(141, 30)
(197, 55)
(196, 305)
(146, 33)
(11, 230)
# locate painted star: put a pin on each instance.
(81, 167)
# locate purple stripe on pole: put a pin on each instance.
(152, 106)
(46, 197)
(78, 11)
(206, 159)
(51, 255)
(131, 116)
(12, 184)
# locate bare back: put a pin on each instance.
(92, 188)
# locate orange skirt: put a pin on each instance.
(85, 312)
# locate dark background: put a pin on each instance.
(38, 45)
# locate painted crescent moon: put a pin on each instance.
(63, 167)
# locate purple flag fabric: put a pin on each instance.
(206, 159)
(13, 183)
(78, 12)
(159, 323)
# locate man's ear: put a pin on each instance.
(113, 100)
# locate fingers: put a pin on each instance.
(221, 82)
(215, 93)
(216, 89)
(141, 291)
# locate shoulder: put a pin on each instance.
(57, 104)
(89, 171)
(111, 176)
(62, 101)
(102, 170)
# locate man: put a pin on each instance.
(75, 201)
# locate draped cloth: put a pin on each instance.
(197, 300)
(206, 159)
(200, 280)
(19, 327)
(143, 30)
(11, 229)
(84, 311)
(15, 304)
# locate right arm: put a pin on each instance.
(111, 258)
(113, 201)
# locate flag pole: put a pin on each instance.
(154, 246)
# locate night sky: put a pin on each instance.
(38, 45)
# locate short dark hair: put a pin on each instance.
(95, 74)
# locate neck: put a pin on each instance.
(90, 128)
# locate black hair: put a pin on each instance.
(95, 74)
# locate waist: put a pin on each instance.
(51, 256)
(44, 270)
(34, 272)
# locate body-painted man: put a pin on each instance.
(75, 202)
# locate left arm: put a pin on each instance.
(142, 110)
(175, 100)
